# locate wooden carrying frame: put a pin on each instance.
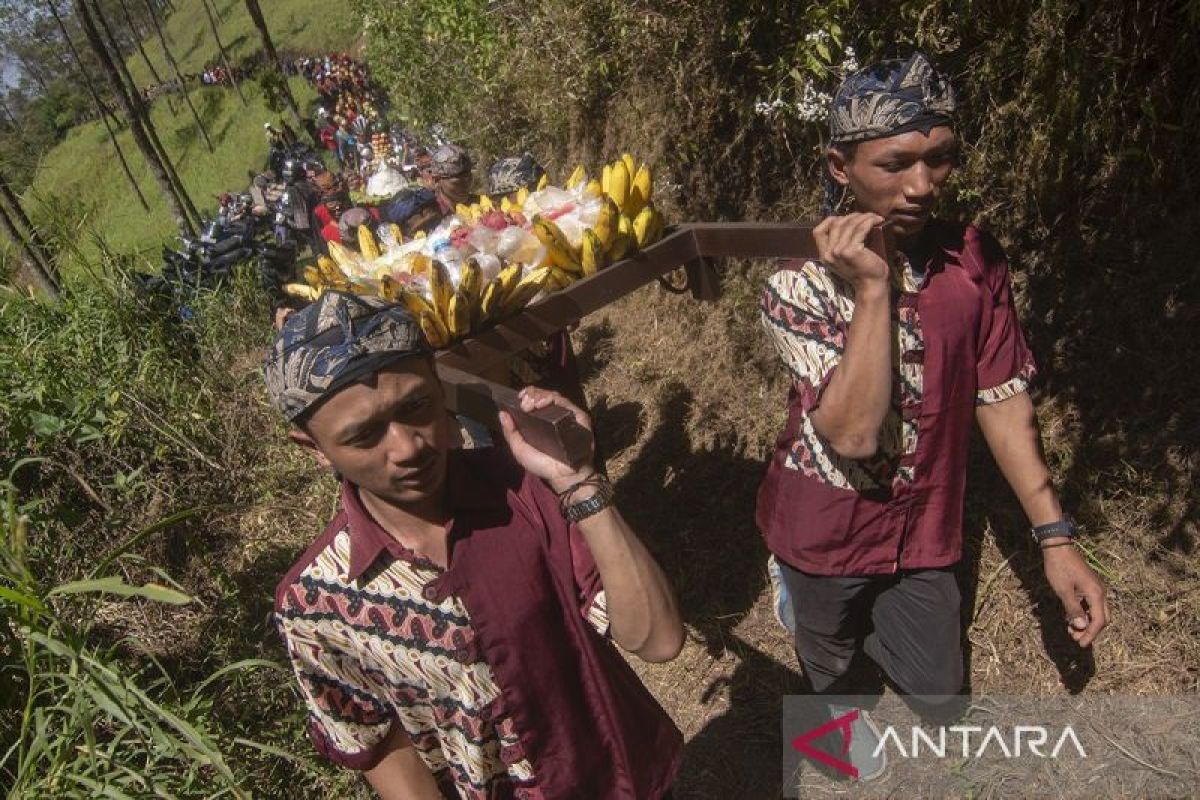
(691, 247)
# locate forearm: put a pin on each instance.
(642, 611)
(856, 399)
(1011, 431)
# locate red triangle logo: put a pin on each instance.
(803, 743)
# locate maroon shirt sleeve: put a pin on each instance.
(583, 571)
(1004, 363)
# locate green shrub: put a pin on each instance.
(81, 719)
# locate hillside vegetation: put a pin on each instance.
(82, 182)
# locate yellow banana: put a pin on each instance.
(301, 290)
(367, 244)
(642, 226)
(485, 204)
(508, 279)
(416, 303)
(464, 213)
(578, 176)
(640, 190)
(312, 276)
(435, 330)
(470, 281)
(558, 249)
(606, 178)
(630, 165)
(491, 300)
(506, 205)
(397, 234)
(592, 255)
(618, 185)
(440, 289)
(544, 181)
(594, 188)
(330, 272)
(622, 245)
(522, 196)
(529, 286)
(657, 226)
(625, 224)
(458, 318)
(606, 222)
(389, 289)
(420, 264)
(559, 279)
(419, 235)
(347, 262)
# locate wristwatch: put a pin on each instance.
(1064, 527)
(599, 501)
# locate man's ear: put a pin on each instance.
(837, 166)
(306, 441)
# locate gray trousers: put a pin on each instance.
(908, 623)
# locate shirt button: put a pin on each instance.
(430, 593)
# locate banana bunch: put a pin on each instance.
(452, 312)
(628, 220)
(554, 238)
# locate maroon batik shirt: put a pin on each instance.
(496, 668)
(958, 344)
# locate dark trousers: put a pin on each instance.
(907, 623)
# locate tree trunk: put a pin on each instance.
(216, 11)
(87, 81)
(144, 115)
(138, 37)
(268, 44)
(187, 98)
(33, 73)
(31, 235)
(38, 276)
(212, 24)
(135, 123)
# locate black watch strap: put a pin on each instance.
(1064, 527)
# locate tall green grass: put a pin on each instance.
(80, 720)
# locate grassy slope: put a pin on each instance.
(82, 175)
(83, 172)
(302, 26)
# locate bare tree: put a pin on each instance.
(138, 36)
(31, 234)
(212, 24)
(260, 22)
(187, 98)
(143, 112)
(35, 258)
(100, 108)
(157, 168)
(36, 275)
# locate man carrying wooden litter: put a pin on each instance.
(449, 629)
(862, 506)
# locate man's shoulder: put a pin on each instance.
(322, 543)
(968, 238)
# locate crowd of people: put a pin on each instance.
(218, 75)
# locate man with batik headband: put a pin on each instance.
(450, 630)
(862, 505)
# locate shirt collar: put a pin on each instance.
(469, 487)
